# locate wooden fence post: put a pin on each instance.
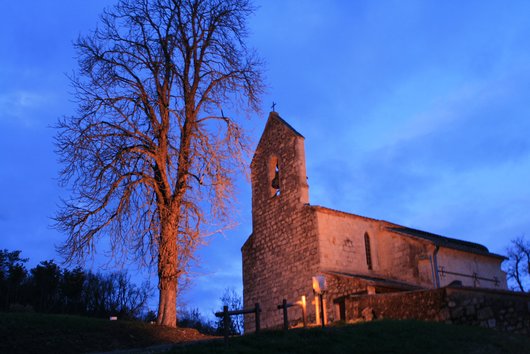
(257, 317)
(285, 319)
(226, 319)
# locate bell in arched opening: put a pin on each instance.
(276, 180)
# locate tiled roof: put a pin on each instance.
(340, 213)
(375, 280)
(443, 241)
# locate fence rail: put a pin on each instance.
(442, 271)
(225, 314)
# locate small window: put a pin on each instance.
(368, 251)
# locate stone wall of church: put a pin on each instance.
(279, 261)
(472, 270)
(292, 241)
(342, 242)
(281, 255)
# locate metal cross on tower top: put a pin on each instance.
(273, 106)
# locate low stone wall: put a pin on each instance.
(425, 305)
(500, 310)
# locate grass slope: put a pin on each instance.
(407, 337)
(42, 333)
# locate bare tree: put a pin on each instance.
(234, 301)
(150, 156)
(518, 264)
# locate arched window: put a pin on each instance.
(274, 175)
(368, 251)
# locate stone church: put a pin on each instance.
(292, 241)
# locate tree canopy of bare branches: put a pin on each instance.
(149, 155)
(518, 264)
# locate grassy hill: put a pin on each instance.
(40, 333)
(397, 337)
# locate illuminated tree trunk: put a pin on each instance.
(167, 277)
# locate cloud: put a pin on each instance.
(453, 159)
(23, 106)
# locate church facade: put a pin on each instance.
(292, 241)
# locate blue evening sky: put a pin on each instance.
(415, 112)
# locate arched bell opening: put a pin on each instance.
(274, 176)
